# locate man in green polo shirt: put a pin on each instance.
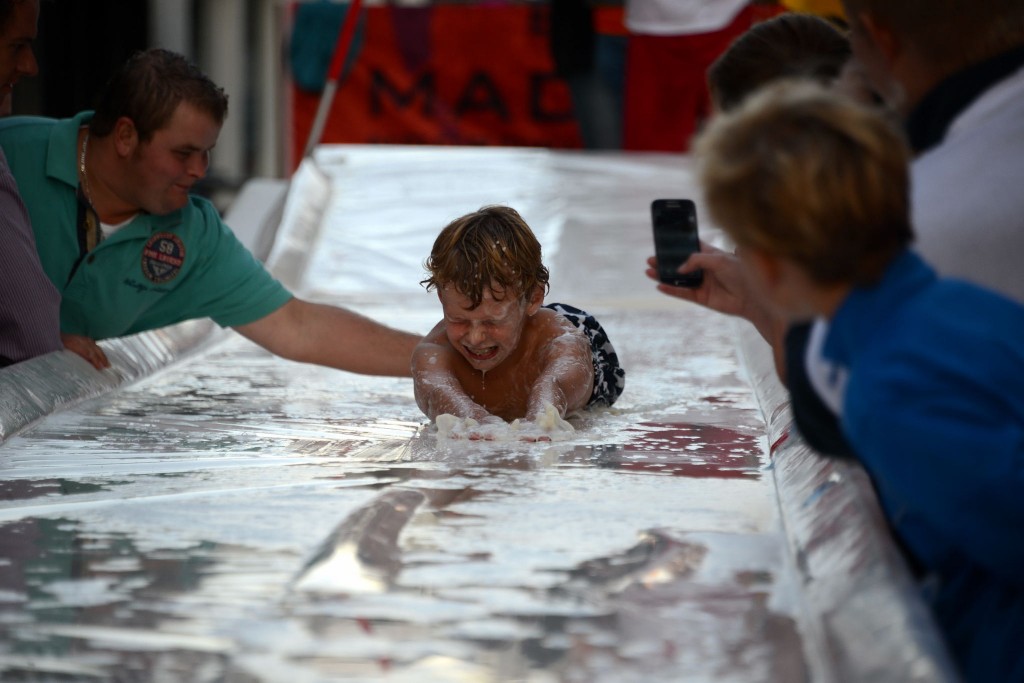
(130, 249)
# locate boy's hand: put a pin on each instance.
(489, 428)
(547, 426)
(535, 438)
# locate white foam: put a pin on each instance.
(548, 427)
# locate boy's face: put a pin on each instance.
(488, 334)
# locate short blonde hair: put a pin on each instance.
(811, 176)
(490, 249)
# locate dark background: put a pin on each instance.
(79, 45)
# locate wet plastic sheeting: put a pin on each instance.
(239, 517)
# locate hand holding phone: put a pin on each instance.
(675, 238)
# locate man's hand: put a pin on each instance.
(87, 349)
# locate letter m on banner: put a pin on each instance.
(446, 74)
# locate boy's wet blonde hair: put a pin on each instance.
(490, 249)
(809, 175)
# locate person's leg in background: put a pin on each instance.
(666, 90)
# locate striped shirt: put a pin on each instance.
(29, 303)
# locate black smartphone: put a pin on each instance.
(675, 238)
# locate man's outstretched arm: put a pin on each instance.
(334, 337)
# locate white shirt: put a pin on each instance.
(967, 193)
(967, 205)
(680, 17)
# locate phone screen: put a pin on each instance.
(675, 238)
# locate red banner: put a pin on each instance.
(449, 75)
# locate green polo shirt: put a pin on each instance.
(155, 271)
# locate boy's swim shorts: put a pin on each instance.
(609, 377)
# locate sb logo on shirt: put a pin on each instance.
(162, 257)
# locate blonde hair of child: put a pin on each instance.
(809, 175)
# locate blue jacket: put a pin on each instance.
(934, 409)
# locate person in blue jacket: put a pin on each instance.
(131, 249)
(813, 188)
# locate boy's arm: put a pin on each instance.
(435, 385)
(567, 380)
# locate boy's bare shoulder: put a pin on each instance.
(551, 325)
(548, 321)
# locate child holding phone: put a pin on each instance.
(814, 190)
(499, 355)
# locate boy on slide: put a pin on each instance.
(499, 355)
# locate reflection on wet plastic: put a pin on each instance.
(362, 554)
(685, 450)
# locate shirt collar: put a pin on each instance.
(931, 118)
(867, 309)
(62, 152)
(62, 164)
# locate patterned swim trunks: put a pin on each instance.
(609, 377)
